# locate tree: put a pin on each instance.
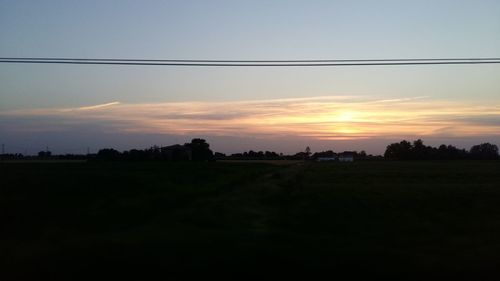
(328, 153)
(44, 154)
(401, 150)
(308, 152)
(450, 153)
(219, 155)
(484, 151)
(405, 150)
(200, 150)
(108, 154)
(362, 154)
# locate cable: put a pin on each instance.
(250, 63)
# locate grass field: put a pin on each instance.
(376, 220)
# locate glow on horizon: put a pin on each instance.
(320, 118)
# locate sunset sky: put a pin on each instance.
(74, 107)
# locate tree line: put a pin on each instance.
(417, 150)
(199, 150)
(196, 150)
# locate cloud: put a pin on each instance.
(400, 99)
(321, 118)
(92, 107)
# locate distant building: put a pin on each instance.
(346, 157)
(323, 159)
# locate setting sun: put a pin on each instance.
(345, 117)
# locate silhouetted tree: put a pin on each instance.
(401, 150)
(200, 150)
(13, 156)
(450, 152)
(308, 152)
(328, 153)
(252, 155)
(44, 154)
(271, 155)
(362, 155)
(219, 155)
(404, 150)
(154, 153)
(484, 151)
(135, 155)
(108, 154)
(299, 156)
(176, 152)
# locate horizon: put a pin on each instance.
(98, 118)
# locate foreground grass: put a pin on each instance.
(145, 220)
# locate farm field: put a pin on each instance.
(134, 220)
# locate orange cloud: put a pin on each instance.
(326, 118)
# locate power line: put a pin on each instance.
(253, 63)
(248, 61)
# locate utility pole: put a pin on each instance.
(88, 150)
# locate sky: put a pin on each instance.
(70, 108)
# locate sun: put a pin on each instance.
(345, 116)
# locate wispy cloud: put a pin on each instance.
(400, 99)
(92, 107)
(327, 117)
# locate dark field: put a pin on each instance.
(377, 220)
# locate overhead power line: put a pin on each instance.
(250, 63)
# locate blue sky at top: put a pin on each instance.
(244, 30)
